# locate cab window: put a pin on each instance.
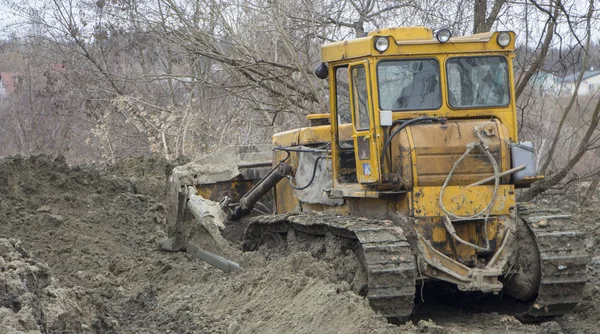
(342, 95)
(360, 98)
(477, 81)
(409, 84)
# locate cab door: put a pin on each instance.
(364, 123)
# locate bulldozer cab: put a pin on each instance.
(399, 74)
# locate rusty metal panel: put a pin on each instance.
(303, 136)
(285, 200)
(402, 159)
(432, 228)
(426, 153)
(462, 201)
(287, 138)
(315, 135)
(234, 189)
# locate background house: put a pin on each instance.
(546, 82)
(590, 84)
(8, 83)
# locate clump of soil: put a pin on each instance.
(30, 301)
(78, 253)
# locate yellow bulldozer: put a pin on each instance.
(413, 173)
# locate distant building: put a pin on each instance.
(46, 74)
(590, 84)
(8, 83)
(545, 82)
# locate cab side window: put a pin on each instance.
(361, 110)
(342, 95)
(347, 162)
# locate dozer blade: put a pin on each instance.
(197, 230)
(212, 259)
(208, 257)
(195, 218)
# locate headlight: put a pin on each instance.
(382, 44)
(443, 35)
(503, 39)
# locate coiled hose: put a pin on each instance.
(485, 213)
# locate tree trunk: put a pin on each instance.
(537, 65)
(589, 193)
(480, 11)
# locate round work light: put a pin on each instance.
(382, 44)
(443, 35)
(503, 39)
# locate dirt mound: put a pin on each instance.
(31, 302)
(98, 236)
(79, 221)
(40, 179)
(147, 173)
(78, 254)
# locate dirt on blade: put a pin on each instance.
(78, 254)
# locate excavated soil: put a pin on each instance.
(78, 254)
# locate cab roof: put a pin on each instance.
(412, 41)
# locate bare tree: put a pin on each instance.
(179, 77)
(482, 21)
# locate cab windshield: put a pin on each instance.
(477, 81)
(409, 84)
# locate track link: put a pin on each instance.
(563, 261)
(384, 252)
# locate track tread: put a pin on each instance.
(564, 261)
(386, 254)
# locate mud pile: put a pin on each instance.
(90, 237)
(78, 254)
(32, 302)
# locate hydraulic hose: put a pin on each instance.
(397, 130)
(312, 178)
(485, 213)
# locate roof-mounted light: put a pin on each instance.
(382, 43)
(503, 39)
(443, 35)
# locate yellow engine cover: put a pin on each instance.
(425, 153)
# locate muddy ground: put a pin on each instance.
(78, 254)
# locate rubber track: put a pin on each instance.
(386, 254)
(563, 261)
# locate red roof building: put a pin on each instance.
(8, 83)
